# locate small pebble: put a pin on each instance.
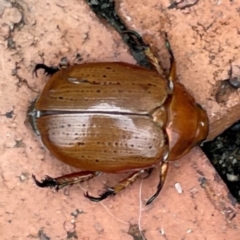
(12, 15)
(178, 188)
(232, 178)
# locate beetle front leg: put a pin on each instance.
(117, 188)
(65, 180)
(172, 76)
(147, 51)
(163, 174)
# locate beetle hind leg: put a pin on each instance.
(117, 188)
(65, 180)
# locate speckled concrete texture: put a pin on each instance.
(205, 41)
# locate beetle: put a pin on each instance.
(116, 117)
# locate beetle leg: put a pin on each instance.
(163, 174)
(117, 188)
(147, 50)
(172, 73)
(141, 45)
(65, 180)
(48, 71)
(154, 61)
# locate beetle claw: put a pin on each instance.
(168, 46)
(153, 197)
(46, 182)
(48, 71)
(103, 196)
(141, 45)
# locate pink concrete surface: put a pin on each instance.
(204, 38)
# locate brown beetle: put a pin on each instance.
(116, 117)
